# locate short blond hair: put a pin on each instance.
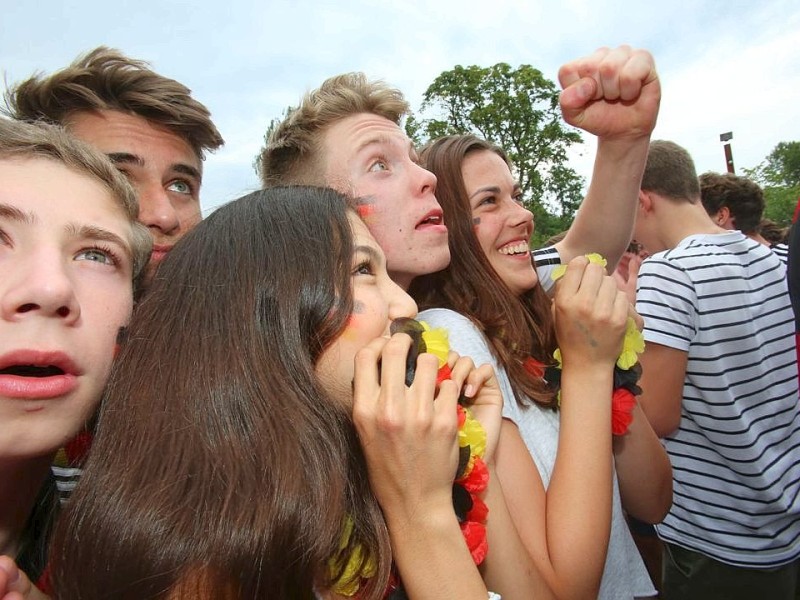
(293, 154)
(20, 140)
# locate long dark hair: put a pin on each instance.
(516, 327)
(219, 457)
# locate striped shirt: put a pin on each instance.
(546, 260)
(782, 250)
(736, 455)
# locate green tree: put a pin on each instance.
(779, 175)
(518, 110)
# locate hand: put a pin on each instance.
(15, 585)
(613, 94)
(408, 434)
(482, 391)
(627, 275)
(590, 315)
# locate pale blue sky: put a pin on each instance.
(724, 65)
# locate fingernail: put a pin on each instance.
(469, 391)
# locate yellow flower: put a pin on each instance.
(356, 567)
(594, 257)
(632, 346)
(436, 342)
(472, 434)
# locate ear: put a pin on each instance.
(645, 201)
(724, 219)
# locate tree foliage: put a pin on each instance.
(779, 175)
(518, 110)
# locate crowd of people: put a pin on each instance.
(360, 381)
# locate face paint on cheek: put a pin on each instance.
(475, 222)
(353, 322)
(365, 208)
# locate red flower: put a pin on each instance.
(443, 374)
(478, 477)
(622, 405)
(475, 536)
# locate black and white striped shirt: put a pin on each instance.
(736, 455)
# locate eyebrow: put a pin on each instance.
(371, 252)
(92, 232)
(126, 158)
(12, 213)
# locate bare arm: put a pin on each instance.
(566, 529)
(663, 374)
(615, 95)
(643, 471)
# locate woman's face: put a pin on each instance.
(377, 301)
(501, 224)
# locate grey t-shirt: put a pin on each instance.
(624, 574)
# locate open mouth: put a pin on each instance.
(32, 371)
(433, 218)
(515, 249)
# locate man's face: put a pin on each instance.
(162, 167)
(65, 291)
(370, 157)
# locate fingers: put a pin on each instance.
(610, 74)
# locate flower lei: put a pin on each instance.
(472, 475)
(627, 369)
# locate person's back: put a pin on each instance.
(719, 329)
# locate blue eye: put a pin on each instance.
(180, 187)
(99, 255)
(378, 165)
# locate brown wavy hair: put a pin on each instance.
(222, 468)
(516, 327)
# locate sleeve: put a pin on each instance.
(467, 340)
(545, 260)
(667, 301)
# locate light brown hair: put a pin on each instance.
(670, 172)
(106, 79)
(294, 151)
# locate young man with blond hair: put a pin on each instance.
(147, 124)
(347, 134)
(70, 250)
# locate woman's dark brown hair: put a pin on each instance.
(516, 327)
(221, 467)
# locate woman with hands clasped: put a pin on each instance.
(228, 460)
(565, 476)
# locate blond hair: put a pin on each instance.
(19, 140)
(294, 154)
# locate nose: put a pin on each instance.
(41, 287)
(519, 215)
(156, 210)
(426, 180)
(400, 303)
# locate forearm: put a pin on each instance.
(643, 470)
(604, 222)
(579, 495)
(508, 568)
(432, 557)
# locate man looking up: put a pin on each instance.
(347, 134)
(148, 124)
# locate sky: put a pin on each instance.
(725, 65)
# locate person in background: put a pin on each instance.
(719, 385)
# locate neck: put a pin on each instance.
(20, 483)
(685, 219)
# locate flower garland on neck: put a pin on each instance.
(627, 369)
(471, 478)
